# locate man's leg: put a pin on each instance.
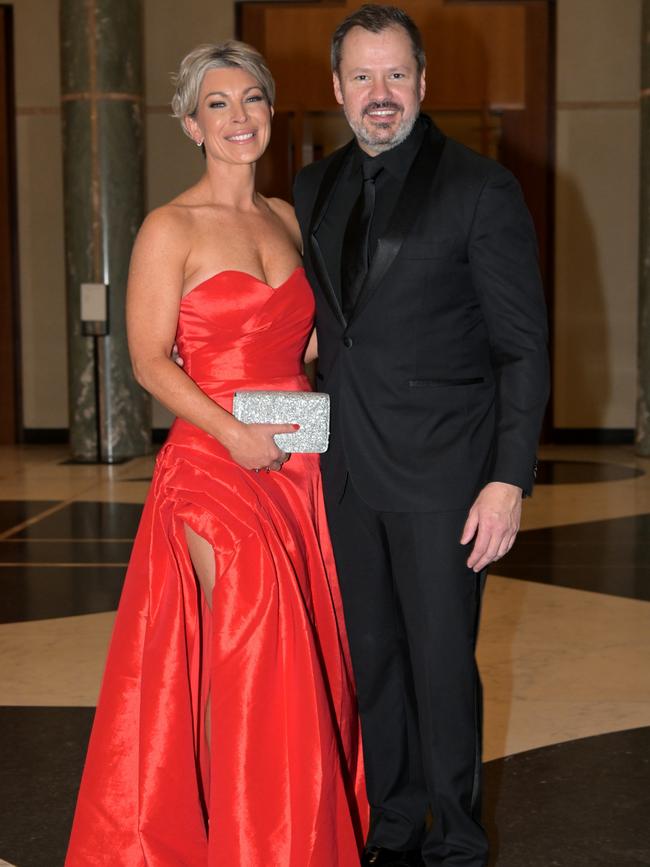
(396, 788)
(440, 598)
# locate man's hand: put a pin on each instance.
(493, 521)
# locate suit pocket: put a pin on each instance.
(438, 383)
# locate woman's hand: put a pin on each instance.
(252, 445)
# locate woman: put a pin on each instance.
(226, 731)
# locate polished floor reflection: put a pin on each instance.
(564, 653)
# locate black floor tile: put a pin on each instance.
(600, 556)
(90, 520)
(580, 472)
(40, 592)
(584, 803)
(42, 751)
(68, 551)
(14, 512)
(34, 551)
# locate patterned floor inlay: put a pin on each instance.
(601, 556)
(583, 803)
(554, 472)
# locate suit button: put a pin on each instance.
(347, 342)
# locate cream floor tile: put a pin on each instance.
(32, 461)
(519, 726)
(44, 489)
(14, 456)
(557, 505)
(56, 662)
(52, 460)
(138, 467)
(116, 492)
(41, 475)
(559, 664)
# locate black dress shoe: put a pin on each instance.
(377, 856)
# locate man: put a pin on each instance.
(432, 344)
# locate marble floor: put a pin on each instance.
(564, 653)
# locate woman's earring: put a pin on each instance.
(199, 143)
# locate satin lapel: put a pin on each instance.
(412, 200)
(327, 186)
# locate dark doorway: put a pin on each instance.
(10, 414)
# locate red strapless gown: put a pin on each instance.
(283, 784)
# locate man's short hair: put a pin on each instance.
(376, 18)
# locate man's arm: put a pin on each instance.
(505, 272)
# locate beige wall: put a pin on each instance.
(171, 29)
(40, 213)
(597, 212)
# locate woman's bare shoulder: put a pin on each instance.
(175, 216)
(283, 209)
(168, 227)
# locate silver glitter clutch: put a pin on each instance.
(309, 409)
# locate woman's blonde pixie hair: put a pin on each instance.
(216, 56)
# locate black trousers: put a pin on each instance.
(412, 609)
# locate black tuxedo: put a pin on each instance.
(439, 380)
(438, 384)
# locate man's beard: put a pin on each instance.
(375, 139)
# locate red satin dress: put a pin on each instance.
(282, 785)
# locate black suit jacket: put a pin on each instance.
(439, 380)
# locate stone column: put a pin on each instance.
(643, 407)
(102, 110)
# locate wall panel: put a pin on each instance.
(597, 213)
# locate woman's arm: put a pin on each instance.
(153, 301)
